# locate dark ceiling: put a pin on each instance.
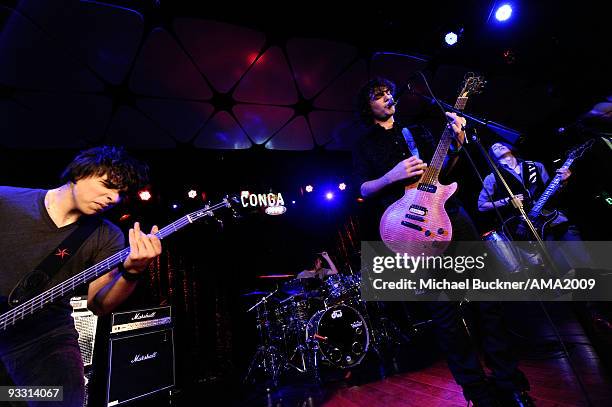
(162, 74)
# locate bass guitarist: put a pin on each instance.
(43, 350)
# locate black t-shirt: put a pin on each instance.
(28, 237)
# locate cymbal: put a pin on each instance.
(277, 276)
(256, 293)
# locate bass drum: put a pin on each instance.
(341, 335)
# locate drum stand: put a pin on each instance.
(267, 356)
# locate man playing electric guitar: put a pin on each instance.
(528, 179)
(388, 156)
(43, 350)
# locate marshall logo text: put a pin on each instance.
(140, 358)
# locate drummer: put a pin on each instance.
(317, 270)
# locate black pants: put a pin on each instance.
(453, 339)
(460, 350)
(52, 361)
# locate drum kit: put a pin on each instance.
(308, 322)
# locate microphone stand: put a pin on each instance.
(517, 203)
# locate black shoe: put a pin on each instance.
(516, 399)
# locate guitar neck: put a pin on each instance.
(437, 162)
(550, 190)
(59, 291)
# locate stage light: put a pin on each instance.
(144, 195)
(192, 194)
(360, 199)
(275, 210)
(451, 38)
(309, 188)
(503, 13)
(342, 186)
(175, 206)
(293, 202)
(329, 196)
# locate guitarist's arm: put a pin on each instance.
(410, 167)
(453, 155)
(111, 289)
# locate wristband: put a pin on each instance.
(127, 275)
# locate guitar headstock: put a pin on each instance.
(577, 152)
(228, 201)
(472, 84)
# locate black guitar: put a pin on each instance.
(26, 304)
(540, 217)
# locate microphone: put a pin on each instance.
(399, 93)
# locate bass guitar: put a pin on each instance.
(27, 304)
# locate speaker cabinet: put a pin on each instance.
(139, 365)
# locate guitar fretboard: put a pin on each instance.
(59, 291)
(549, 191)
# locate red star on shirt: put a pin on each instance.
(62, 252)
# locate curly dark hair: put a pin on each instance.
(367, 92)
(124, 173)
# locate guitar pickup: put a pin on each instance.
(412, 226)
(427, 187)
(418, 210)
(415, 217)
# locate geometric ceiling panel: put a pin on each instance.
(222, 132)
(56, 121)
(294, 136)
(132, 129)
(163, 69)
(268, 81)
(316, 63)
(326, 125)
(340, 95)
(30, 59)
(223, 52)
(261, 122)
(108, 50)
(182, 119)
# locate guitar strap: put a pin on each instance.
(530, 175)
(33, 282)
(410, 142)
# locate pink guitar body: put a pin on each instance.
(418, 223)
(419, 216)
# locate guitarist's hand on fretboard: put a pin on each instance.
(565, 173)
(143, 249)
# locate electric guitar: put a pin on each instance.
(27, 303)
(419, 216)
(540, 217)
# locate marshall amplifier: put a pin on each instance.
(141, 355)
(140, 319)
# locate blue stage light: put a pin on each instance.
(503, 13)
(450, 38)
(329, 196)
